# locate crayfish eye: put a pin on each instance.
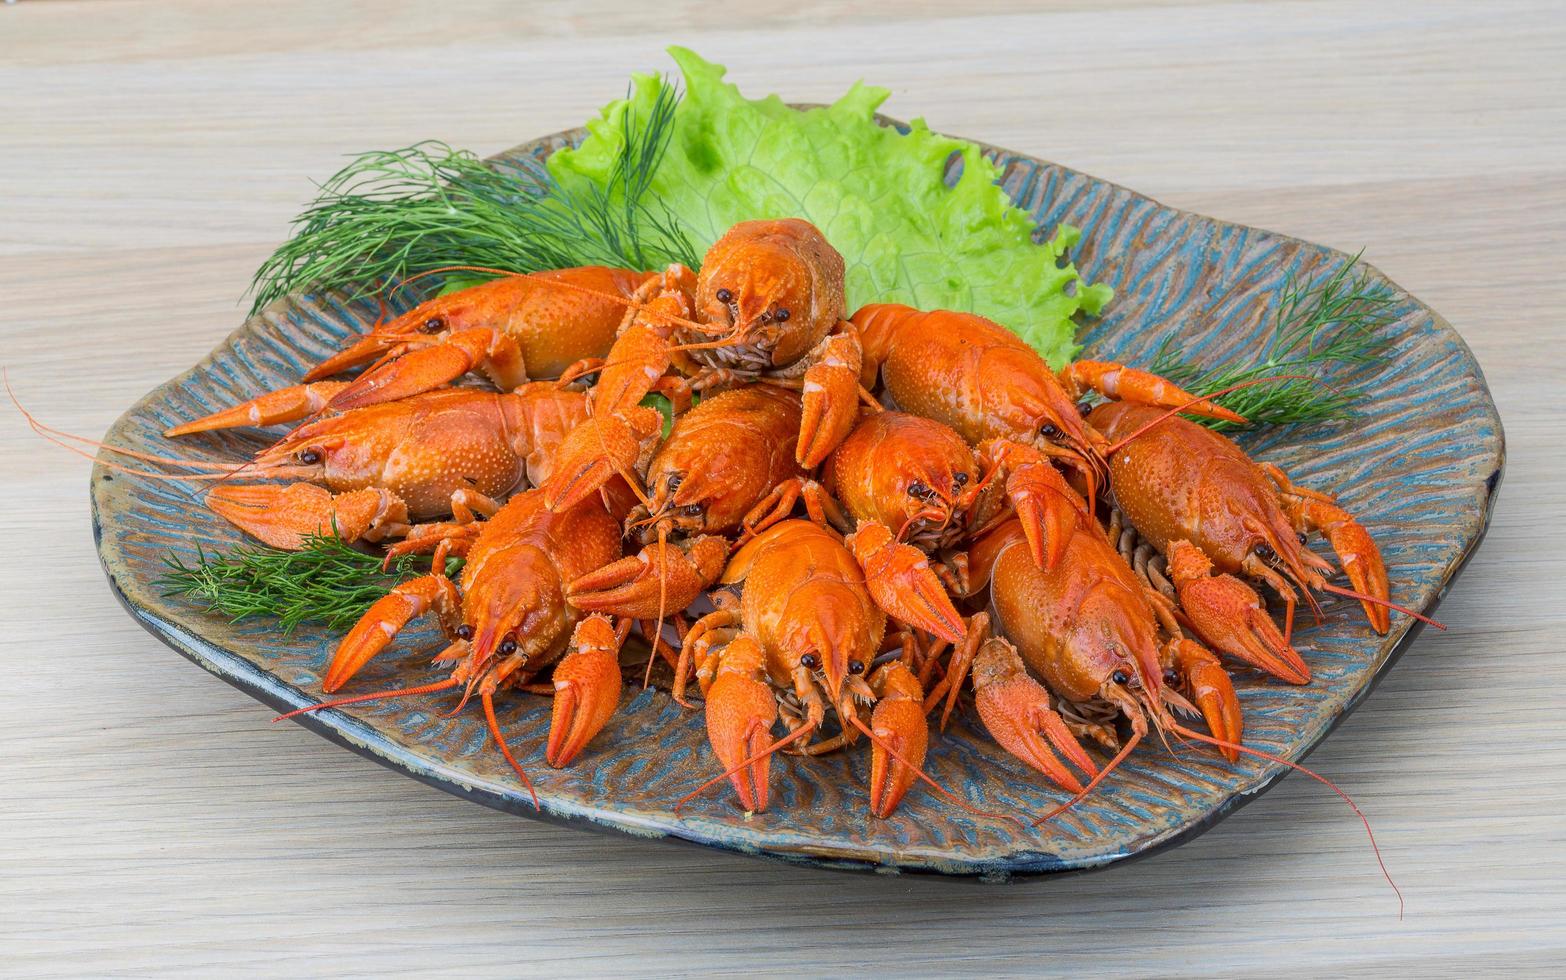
(1049, 431)
(464, 632)
(724, 296)
(856, 666)
(309, 457)
(962, 479)
(810, 662)
(1302, 536)
(675, 479)
(1170, 676)
(917, 489)
(507, 647)
(691, 510)
(781, 316)
(1265, 553)
(434, 324)
(1119, 677)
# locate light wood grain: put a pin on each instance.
(151, 821)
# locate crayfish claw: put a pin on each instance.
(899, 725)
(1360, 557)
(287, 516)
(1144, 388)
(382, 621)
(596, 451)
(363, 350)
(831, 398)
(1229, 616)
(587, 690)
(1016, 712)
(283, 405)
(662, 578)
(418, 371)
(741, 710)
(1208, 685)
(1048, 509)
(903, 584)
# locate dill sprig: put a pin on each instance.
(391, 214)
(326, 582)
(1316, 327)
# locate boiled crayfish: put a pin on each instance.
(373, 473)
(509, 623)
(985, 382)
(800, 643)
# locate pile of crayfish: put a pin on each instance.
(853, 521)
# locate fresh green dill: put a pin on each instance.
(1316, 328)
(392, 214)
(325, 582)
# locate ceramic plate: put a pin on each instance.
(1420, 466)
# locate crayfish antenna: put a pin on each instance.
(663, 600)
(397, 692)
(58, 437)
(505, 750)
(1362, 597)
(1268, 756)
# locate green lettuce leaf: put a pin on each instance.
(879, 196)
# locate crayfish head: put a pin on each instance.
(921, 472)
(772, 286)
(1118, 640)
(514, 604)
(826, 641)
(454, 311)
(680, 503)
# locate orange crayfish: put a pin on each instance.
(725, 462)
(1092, 631)
(372, 472)
(509, 622)
(514, 328)
(986, 382)
(798, 643)
(1197, 497)
(767, 305)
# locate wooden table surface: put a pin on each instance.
(152, 821)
